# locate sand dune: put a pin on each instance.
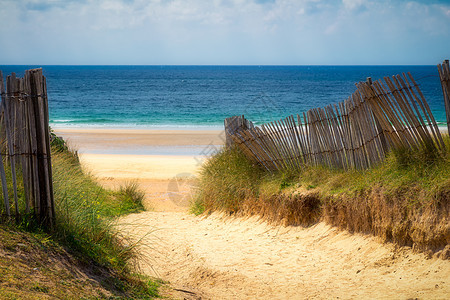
(220, 257)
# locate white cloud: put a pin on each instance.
(221, 31)
(353, 4)
(446, 11)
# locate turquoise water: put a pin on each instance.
(203, 96)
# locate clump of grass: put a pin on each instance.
(225, 181)
(58, 144)
(197, 206)
(85, 212)
(130, 198)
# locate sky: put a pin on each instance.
(224, 32)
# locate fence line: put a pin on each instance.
(444, 74)
(25, 148)
(354, 134)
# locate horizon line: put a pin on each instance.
(220, 65)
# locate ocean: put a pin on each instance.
(203, 96)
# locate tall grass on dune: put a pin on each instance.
(85, 217)
(85, 222)
(226, 180)
(83, 211)
(405, 199)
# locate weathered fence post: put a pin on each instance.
(13, 87)
(25, 119)
(444, 74)
(39, 102)
(2, 167)
(233, 125)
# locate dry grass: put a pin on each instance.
(285, 208)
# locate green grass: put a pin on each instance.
(85, 215)
(84, 212)
(403, 172)
(226, 180)
(33, 266)
(129, 198)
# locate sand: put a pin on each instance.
(122, 166)
(166, 179)
(220, 257)
(107, 139)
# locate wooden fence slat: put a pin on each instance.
(302, 140)
(444, 74)
(13, 93)
(343, 118)
(446, 69)
(29, 175)
(45, 142)
(426, 110)
(296, 138)
(2, 167)
(308, 140)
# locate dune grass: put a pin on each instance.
(404, 199)
(84, 212)
(229, 177)
(85, 220)
(226, 180)
(35, 266)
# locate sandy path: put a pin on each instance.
(235, 258)
(220, 257)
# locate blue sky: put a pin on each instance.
(302, 32)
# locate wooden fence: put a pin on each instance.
(234, 124)
(353, 134)
(25, 151)
(444, 74)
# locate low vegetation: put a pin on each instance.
(35, 266)
(405, 200)
(84, 256)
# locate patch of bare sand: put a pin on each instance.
(161, 195)
(220, 257)
(166, 180)
(124, 140)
